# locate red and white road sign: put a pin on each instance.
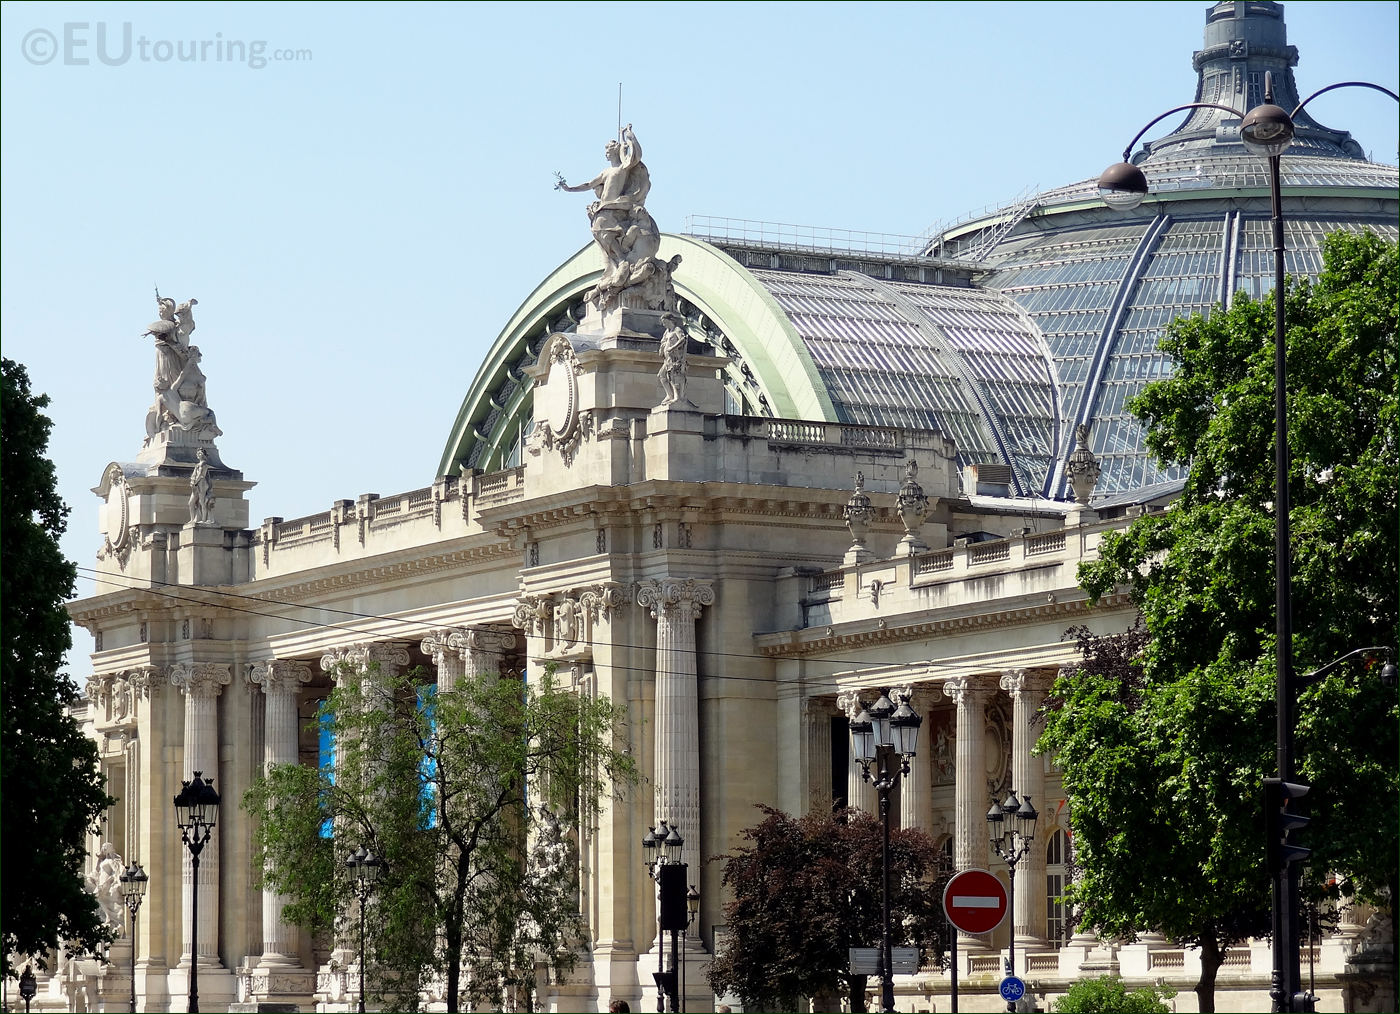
(975, 901)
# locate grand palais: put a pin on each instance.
(742, 486)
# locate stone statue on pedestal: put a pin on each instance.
(626, 233)
(180, 403)
(105, 884)
(202, 491)
(672, 372)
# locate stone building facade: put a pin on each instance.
(777, 483)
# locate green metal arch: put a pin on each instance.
(721, 288)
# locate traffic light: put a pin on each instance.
(1281, 817)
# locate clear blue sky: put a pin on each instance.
(360, 217)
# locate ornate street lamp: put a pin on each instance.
(133, 886)
(1266, 130)
(880, 733)
(196, 808)
(28, 986)
(661, 849)
(367, 870)
(1012, 829)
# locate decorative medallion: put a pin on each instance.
(563, 384)
(117, 533)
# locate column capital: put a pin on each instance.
(145, 681)
(532, 613)
(438, 643)
(849, 703)
(201, 679)
(482, 639)
(278, 675)
(965, 689)
(599, 600)
(386, 653)
(1019, 681)
(685, 594)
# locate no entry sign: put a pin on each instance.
(975, 901)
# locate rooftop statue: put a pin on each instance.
(625, 231)
(180, 403)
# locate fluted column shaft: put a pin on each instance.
(915, 801)
(280, 681)
(676, 605)
(817, 713)
(483, 652)
(446, 656)
(860, 793)
(201, 684)
(971, 801)
(1028, 778)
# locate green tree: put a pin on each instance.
(52, 790)
(1108, 995)
(471, 797)
(1164, 745)
(806, 891)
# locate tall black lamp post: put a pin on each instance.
(367, 869)
(1265, 130)
(661, 847)
(28, 986)
(879, 734)
(133, 884)
(1012, 829)
(196, 808)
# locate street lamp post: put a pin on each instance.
(1012, 829)
(367, 869)
(879, 734)
(196, 808)
(1265, 130)
(133, 884)
(661, 847)
(28, 986)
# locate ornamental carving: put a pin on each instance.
(144, 682)
(600, 600)
(492, 642)
(565, 427)
(566, 623)
(278, 675)
(685, 595)
(849, 703)
(201, 678)
(112, 697)
(966, 689)
(532, 614)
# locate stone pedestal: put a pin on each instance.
(675, 443)
(621, 322)
(202, 557)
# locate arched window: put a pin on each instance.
(1057, 925)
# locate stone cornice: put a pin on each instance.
(666, 498)
(867, 632)
(364, 574)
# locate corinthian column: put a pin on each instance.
(483, 651)
(280, 680)
(675, 605)
(915, 803)
(446, 656)
(201, 684)
(971, 800)
(860, 793)
(1028, 778)
(816, 717)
